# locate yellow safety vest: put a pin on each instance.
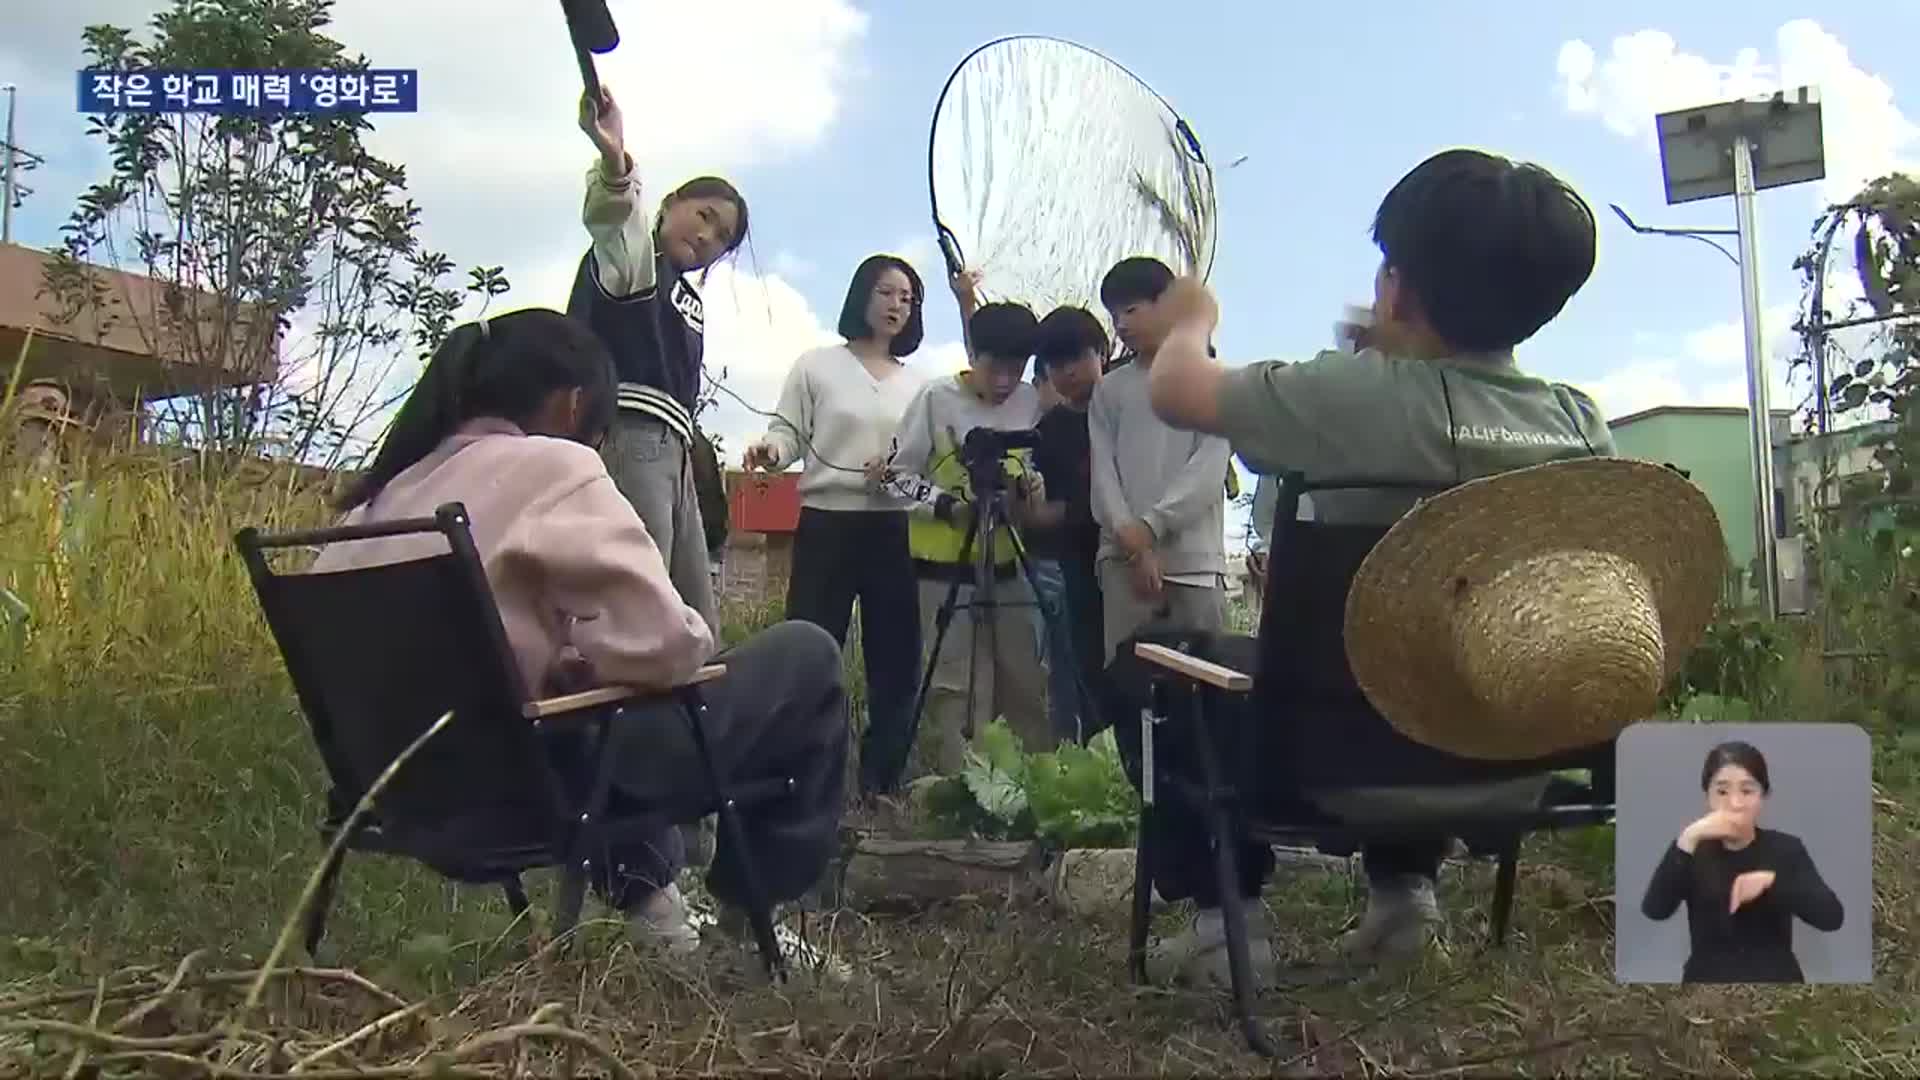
(932, 540)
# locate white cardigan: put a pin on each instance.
(833, 413)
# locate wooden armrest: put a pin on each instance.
(607, 695)
(1193, 667)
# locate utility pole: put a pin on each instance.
(13, 162)
(6, 185)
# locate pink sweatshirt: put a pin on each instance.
(556, 539)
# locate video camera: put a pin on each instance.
(982, 451)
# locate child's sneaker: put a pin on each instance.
(735, 932)
(1402, 914)
(664, 921)
(1198, 954)
(700, 838)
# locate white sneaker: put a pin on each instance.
(735, 932)
(1402, 914)
(664, 921)
(700, 838)
(1198, 954)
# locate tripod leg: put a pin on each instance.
(986, 525)
(942, 619)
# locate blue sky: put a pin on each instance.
(819, 109)
(1331, 115)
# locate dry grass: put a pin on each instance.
(983, 990)
(158, 798)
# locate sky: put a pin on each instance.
(820, 109)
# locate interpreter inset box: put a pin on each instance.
(1743, 853)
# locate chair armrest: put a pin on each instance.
(607, 695)
(1216, 675)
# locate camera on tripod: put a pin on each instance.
(982, 451)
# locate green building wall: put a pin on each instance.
(1710, 443)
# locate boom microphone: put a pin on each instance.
(590, 25)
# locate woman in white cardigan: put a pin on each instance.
(837, 415)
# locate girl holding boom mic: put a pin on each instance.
(632, 289)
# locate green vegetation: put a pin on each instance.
(159, 796)
(1072, 797)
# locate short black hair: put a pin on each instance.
(1065, 334)
(853, 314)
(1136, 280)
(1491, 249)
(1003, 331)
(1745, 755)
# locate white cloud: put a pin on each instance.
(945, 358)
(1708, 367)
(924, 256)
(499, 85)
(792, 266)
(498, 163)
(495, 157)
(1644, 73)
(1703, 367)
(756, 327)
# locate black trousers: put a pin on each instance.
(780, 711)
(1180, 850)
(840, 556)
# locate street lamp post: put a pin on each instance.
(1705, 236)
(1737, 148)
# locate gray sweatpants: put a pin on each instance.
(651, 467)
(1181, 607)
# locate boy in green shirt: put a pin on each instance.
(1478, 253)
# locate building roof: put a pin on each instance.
(107, 352)
(1689, 410)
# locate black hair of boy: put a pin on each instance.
(1065, 335)
(1491, 249)
(853, 313)
(1004, 333)
(1136, 280)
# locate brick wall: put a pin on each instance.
(756, 569)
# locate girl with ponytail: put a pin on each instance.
(506, 419)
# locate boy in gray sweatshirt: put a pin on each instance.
(1157, 491)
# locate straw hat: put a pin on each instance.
(1535, 611)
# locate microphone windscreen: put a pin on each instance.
(591, 24)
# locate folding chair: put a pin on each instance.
(1285, 710)
(378, 655)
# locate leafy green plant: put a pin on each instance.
(1738, 667)
(1072, 797)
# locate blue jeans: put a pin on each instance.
(1056, 645)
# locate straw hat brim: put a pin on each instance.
(1402, 608)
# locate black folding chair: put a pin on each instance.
(1247, 727)
(510, 784)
